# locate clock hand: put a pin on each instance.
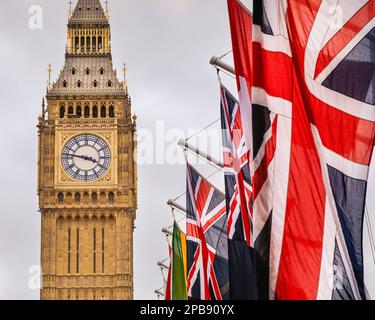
(82, 157)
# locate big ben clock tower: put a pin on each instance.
(87, 182)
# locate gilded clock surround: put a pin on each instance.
(87, 227)
(108, 180)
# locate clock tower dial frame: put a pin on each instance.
(86, 157)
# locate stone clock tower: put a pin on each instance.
(87, 181)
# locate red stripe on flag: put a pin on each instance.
(261, 174)
(346, 34)
(267, 66)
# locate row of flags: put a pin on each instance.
(297, 147)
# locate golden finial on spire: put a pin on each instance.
(49, 73)
(124, 70)
(70, 2)
(107, 9)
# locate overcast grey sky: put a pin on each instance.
(166, 45)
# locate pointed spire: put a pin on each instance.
(88, 11)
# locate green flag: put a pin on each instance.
(178, 264)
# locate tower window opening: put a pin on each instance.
(70, 110)
(95, 112)
(77, 197)
(88, 43)
(74, 71)
(95, 83)
(111, 111)
(62, 112)
(94, 197)
(65, 84)
(103, 112)
(101, 71)
(100, 42)
(79, 84)
(79, 112)
(60, 197)
(77, 43)
(87, 71)
(109, 83)
(111, 197)
(82, 42)
(87, 112)
(94, 43)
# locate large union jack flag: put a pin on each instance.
(207, 244)
(306, 79)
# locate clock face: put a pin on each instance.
(86, 157)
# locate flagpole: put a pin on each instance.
(215, 61)
(175, 205)
(167, 232)
(163, 265)
(187, 146)
(159, 293)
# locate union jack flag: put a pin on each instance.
(305, 73)
(207, 244)
(238, 191)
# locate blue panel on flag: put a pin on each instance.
(355, 75)
(350, 195)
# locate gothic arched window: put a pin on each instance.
(95, 83)
(95, 112)
(77, 197)
(79, 83)
(109, 83)
(94, 43)
(70, 110)
(111, 197)
(60, 197)
(88, 43)
(111, 111)
(103, 112)
(87, 71)
(76, 43)
(79, 111)
(62, 112)
(101, 71)
(74, 71)
(65, 84)
(100, 42)
(87, 111)
(94, 197)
